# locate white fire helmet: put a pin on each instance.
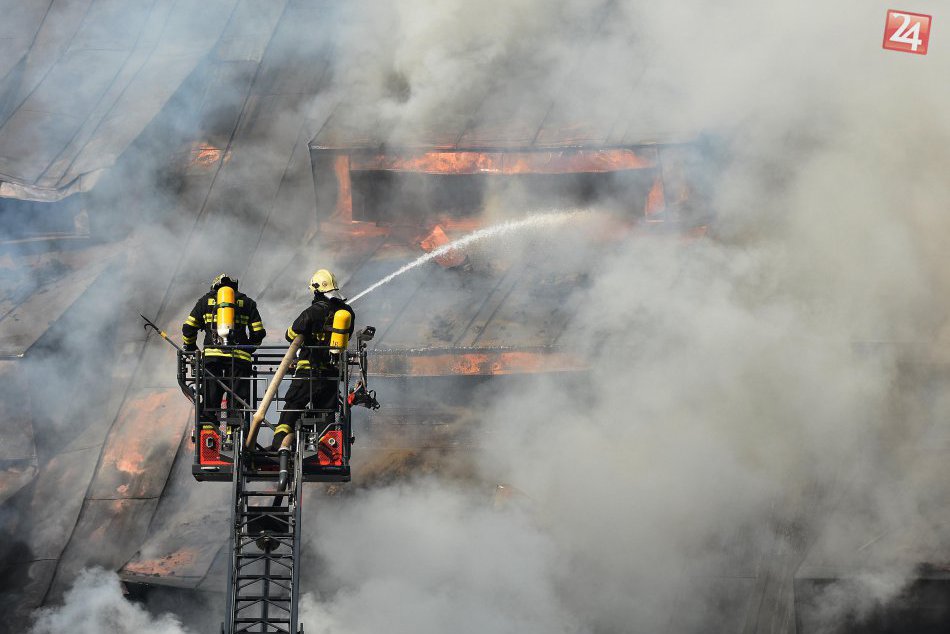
(223, 280)
(323, 281)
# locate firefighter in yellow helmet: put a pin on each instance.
(315, 323)
(228, 318)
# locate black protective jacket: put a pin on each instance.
(248, 326)
(316, 324)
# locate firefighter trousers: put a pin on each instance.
(319, 388)
(236, 375)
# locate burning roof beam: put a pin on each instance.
(555, 161)
(473, 362)
(363, 184)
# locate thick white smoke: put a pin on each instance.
(95, 604)
(426, 556)
(732, 398)
(728, 400)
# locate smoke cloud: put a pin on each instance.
(746, 386)
(95, 604)
(444, 559)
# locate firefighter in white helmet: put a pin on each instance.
(314, 382)
(228, 318)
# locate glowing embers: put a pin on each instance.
(170, 565)
(141, 445)
(203, 156)
(474, 362)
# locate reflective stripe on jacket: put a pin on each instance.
(314, 323)
(248, 326)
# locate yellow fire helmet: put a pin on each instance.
(223, 280)
(323, 281)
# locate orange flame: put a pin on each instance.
(489, 362)
(566, 161)
(205, 156)
(436, 239)
(164, 567)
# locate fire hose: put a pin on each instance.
(271, 392)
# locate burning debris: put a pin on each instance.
(437, 239)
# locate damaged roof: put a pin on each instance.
(79, 81)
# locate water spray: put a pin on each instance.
(534, 220)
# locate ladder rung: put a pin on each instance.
(277, 537)
(277, 603)
(248, 586)
(248, 510)
(253, 511)
(271, 627)
(263, 621)
(251, 607)
(277, 542)
(252, 593)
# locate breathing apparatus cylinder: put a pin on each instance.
(225, 303)
(341, 328)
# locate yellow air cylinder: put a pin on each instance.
(225, 302)
(341, 326)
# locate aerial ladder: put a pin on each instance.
(264, 541)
